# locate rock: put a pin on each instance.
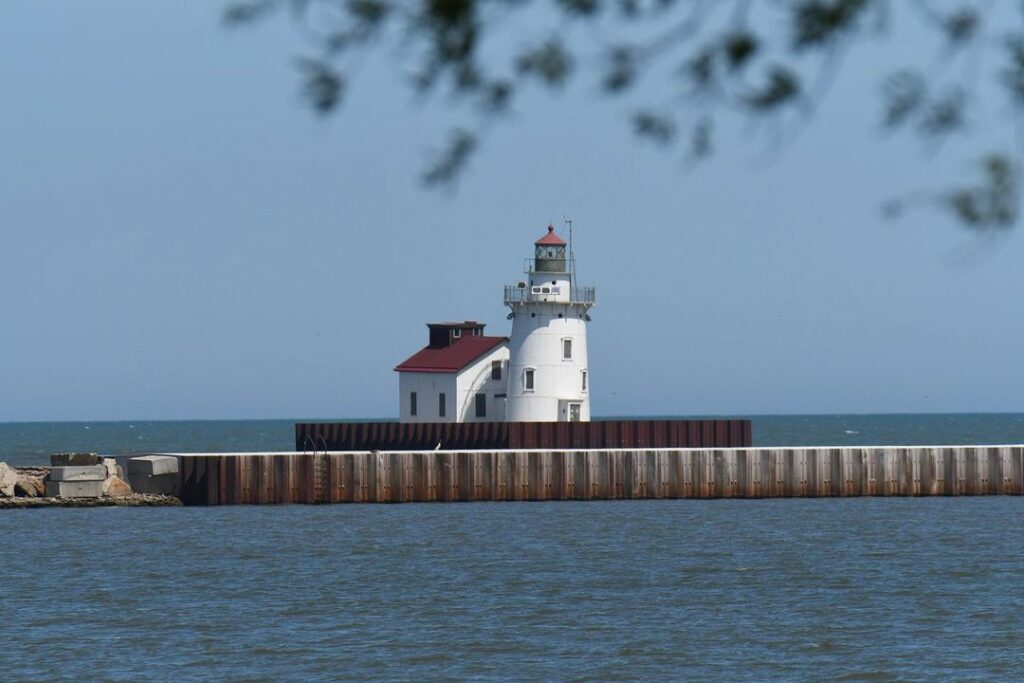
(74, 459)
(8, 480)
(116, 487)
(111, 466)
(134, 500)
(29, 487)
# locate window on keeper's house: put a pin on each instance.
(481, 405)
(441, 405)
(412, 403)
(496, 370)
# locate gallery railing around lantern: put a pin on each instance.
(515, 294)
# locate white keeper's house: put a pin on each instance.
(537, 374)
(458, 377)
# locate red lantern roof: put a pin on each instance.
(551, 239)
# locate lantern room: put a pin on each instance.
(549, 256)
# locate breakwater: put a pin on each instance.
(491, 436)
(539, 475)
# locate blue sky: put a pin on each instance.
(181, 238)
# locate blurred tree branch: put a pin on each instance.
(715, 57)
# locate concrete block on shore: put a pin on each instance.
(78, 473)
(153, 465)
(75, 459)
(74, 489)
(163, 484)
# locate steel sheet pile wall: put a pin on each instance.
(395, 477)
(397, 436)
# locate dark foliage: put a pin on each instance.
(718, 58)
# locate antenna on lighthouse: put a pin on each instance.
(572, 255)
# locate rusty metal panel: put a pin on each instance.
(394, 436)
(1013, 471)
(701, 474)
(638, 473)
(228, 481)
(632, 474)
(187, 472)
(576, 474)
(739, 476)
(347, 475)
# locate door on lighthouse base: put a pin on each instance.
(569, 411)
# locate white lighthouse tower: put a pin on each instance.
(548, 379)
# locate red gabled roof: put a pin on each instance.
(461, 353)
(551, 238)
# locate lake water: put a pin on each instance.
(26, 443)
(868, 589)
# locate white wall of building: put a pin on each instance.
(460, 390)
(539, 330)
(427, 386)
(475, 379)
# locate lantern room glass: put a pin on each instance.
(550, 258)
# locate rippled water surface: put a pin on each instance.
(30, 443)
(857, 589)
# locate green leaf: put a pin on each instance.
(820, 22)
(657, 127)
(323, 86)
(993, 204)
(549, 62)
(449, 162)
(782, 86)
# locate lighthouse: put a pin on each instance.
(548, 378)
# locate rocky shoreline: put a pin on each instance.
(55, 486)
(131, 500)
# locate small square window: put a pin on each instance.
(496, 370)
(456, 333)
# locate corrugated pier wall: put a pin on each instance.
(438, 476)
(490, 436)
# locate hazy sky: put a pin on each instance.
(181, 238)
